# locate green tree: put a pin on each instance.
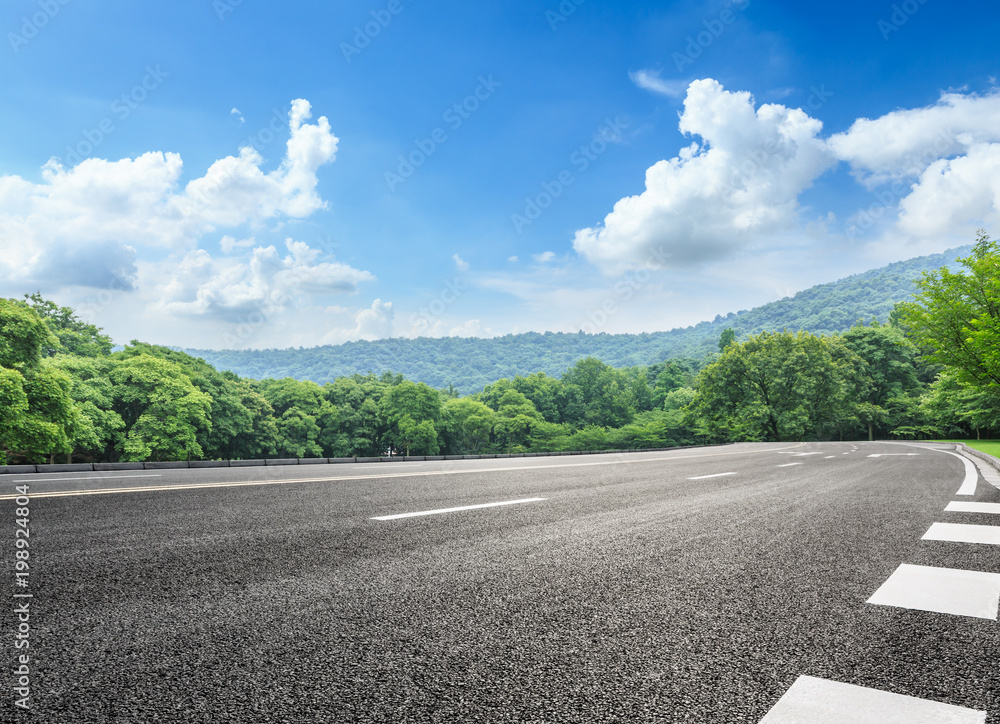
(516, 420)
(162, 410)
(243, 424)
(957, 315)
(93, 393)
(39, 417)
(405, 406)
(727, 337)
(74, 336)
(775, 386)
(304, 417)
(890, 371)
(468, 426)
(608, 397)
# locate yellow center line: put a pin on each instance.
(345, 478)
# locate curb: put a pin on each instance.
(989, 459)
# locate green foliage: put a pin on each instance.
(39, 417)
(74, 336)
(162, 411)
(777, 386)
(957, 315)
(413, 413)
(468, 426)
(727, 337)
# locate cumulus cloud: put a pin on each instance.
(460, 263)
(104, 209)
(904, 143)
(954, 195)
(650, 80)
(472, 328)
(741, 182)
(262, 282)
(374, 322)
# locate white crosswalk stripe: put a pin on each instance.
(941, 590)
(819, 701)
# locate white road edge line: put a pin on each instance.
(384, 476)
(971, 473)
(453, 510)
(93, 477)
(714, 475)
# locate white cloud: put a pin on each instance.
(472, 328)
(229, 244)
(650, 80)
(544, 257)
(374, 322)
(512, 259)
(239, 116)
(231, 289)
(112, 210)
(954, 196)
(460, 263)
(739, 185)
(903, 143)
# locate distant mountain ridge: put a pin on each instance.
(470, 363)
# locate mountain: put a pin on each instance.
(470, 363)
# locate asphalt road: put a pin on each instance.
(629, 593)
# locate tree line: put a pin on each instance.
(931, 370)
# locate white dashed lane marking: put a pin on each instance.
(714, 475)
(962, 507)
(788, 465)
(811, 701)
(454, 510)
(964, 533)
(941, 590)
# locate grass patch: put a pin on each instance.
(990, 447)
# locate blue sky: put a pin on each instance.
(243, 174)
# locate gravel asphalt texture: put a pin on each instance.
(631, 594)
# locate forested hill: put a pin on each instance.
(470, 363)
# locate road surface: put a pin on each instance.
(781, 583)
